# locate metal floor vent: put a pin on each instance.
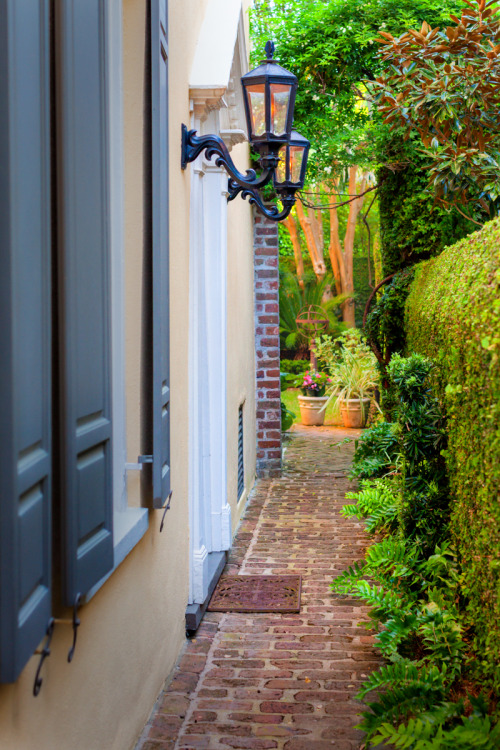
(272, 593)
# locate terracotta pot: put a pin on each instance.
(355, 412)
(310, 407)
(313, 392)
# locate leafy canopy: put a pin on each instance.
(445, 84)
(330, 46)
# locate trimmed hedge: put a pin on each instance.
(453, 316)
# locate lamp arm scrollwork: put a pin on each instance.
(272, 212)
(193, 145)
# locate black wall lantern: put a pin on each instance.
(291, 170)
(269, 95)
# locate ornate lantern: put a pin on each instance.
(269, 95)
(291, 170)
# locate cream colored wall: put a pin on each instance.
(129, 636)
(241, 342)
(132, 629)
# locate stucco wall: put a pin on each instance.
(133, 628)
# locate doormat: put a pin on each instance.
(257, 594)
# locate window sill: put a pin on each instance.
(129, 526)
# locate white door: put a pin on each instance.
(210, 514)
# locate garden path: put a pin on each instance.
(280, 681)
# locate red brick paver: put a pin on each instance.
(280, 681)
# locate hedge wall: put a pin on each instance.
(453, 316)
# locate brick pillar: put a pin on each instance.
(267, 347)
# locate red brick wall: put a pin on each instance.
(267, 347)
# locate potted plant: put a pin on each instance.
(313, 400)
(353, 376)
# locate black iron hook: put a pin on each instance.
(76, 625)
(167, 506)
(44, 653)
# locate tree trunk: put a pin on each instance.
(335, 250)
(317, 226)
(290, 224)
(315, 252)
(354, 209)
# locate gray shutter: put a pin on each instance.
(25, 340)
(84, 276)
(161, 379)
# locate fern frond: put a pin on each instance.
(405, 672)
(384, 603)
(431, 730)
(345, 582)
(398, 703)
(382, 519)
(396, 631)
(351, 510)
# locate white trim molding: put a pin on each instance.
(220, 60)
(200, 575)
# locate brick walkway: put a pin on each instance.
(279, 681)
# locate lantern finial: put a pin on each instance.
(270, 47)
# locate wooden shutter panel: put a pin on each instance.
(84, 274)
(160, 271)
(25, 340)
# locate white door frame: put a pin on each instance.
(209, 511)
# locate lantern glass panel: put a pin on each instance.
(281, 168)
(296, 157)
(280, 99)
(257, 107)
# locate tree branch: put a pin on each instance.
(329, 206)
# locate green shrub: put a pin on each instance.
(415, 609)
(453, 316)
(294, 366)
(425, 492)
(411, 226)
(411, 581)
(375, 451)
(385, 321)
(287, 417)
(385, 330)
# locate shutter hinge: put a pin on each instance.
(141, 460)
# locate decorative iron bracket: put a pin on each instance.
(193, 145)
(272, 212)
